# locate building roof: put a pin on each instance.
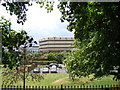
(57, 38)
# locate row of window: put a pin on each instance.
(56, 44)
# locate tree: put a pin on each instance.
(50, 56)
(16, 74)
(60, 57)
(57, 56)
(34, 55)
(14, 57)
(12, 42)
(97, 31)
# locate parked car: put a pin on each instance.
(61, 66)
(36, 70)
(53, 70)
(54, 66)
(51, 64)
(45, 70)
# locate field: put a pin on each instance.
(63, 78)
(58, 79)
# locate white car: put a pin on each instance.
(36, 70)
(53, 70)
(45, 70)
(54, 66)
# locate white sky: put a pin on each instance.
(40, 24)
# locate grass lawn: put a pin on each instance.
(0, 75)
(58, 79)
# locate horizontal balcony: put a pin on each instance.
(56, 46)
(56, 42)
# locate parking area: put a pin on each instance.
(48, 70)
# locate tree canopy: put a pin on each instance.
(57, 56)
(96, 27)
(12, 42)
(20, 8)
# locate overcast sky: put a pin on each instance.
(40, 24)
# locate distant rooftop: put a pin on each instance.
(57, 38)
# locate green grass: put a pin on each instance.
(58, 79)
(48, 80)
(0, 76)
(106, 80)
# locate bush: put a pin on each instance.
(50, 56)
(59, 57)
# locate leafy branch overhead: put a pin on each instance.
(20, 8)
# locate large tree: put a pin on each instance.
(14, 59)
(96, 29)
(12, 42)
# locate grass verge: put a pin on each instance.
(58, 79)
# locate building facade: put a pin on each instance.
(56, 44)
(33, 49)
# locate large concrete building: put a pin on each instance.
(56, 44)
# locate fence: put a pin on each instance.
(63, 87)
